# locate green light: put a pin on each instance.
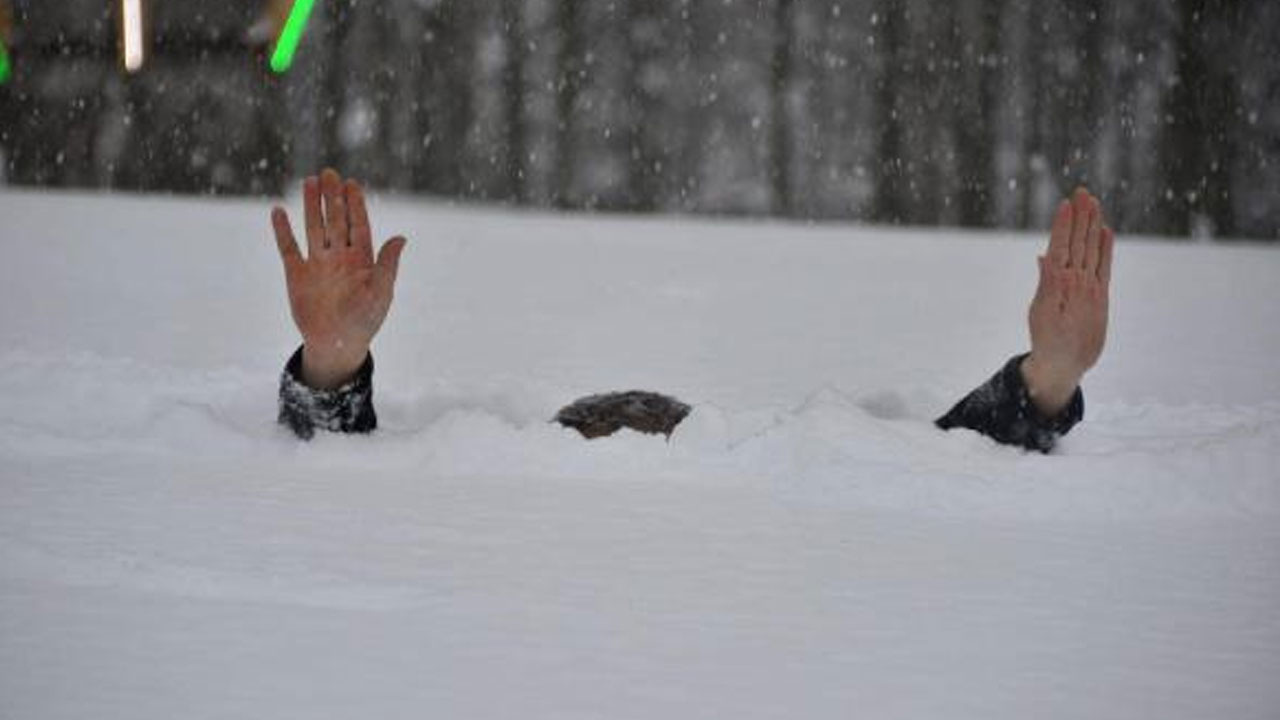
(291, 35)
(5, 70)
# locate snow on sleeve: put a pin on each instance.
(1002, 409)
(347, 409)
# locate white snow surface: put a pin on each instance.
(806, 545)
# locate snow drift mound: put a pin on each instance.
(875, 450)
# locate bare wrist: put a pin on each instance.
(329, 368)
(1050, 388)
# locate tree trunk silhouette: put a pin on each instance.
(513, 86)
(890, 190)
(568, 86)
(780, 136)
(333, 95)
(1197, 149)
(643, 30)
(977, 110)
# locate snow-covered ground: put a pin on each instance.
(805, 546)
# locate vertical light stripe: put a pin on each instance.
(5, 70)
(291, 35)
(133, 52)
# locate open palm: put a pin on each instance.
(1068, 315)
(338, 294)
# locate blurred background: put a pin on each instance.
(970, 113)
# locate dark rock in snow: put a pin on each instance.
(599, 415)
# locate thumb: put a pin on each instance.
(1042, 288)
(389, 259)
(285, 242)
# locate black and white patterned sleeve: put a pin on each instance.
(1001, 408)
(347, 409)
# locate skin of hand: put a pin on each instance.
(338, 293)
(1068, 315)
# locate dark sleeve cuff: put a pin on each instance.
(1001, 408)
(347, 409)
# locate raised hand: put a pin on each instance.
(338, 293)
(1068, 315)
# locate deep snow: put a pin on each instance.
(806, 545)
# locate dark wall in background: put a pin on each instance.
(971, 112)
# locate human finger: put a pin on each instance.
(335, 210)
(358, 219)
(314, 218)
(1108, 244)
(388, 265)
(1060, 235)
(285, 242)
(1093, 241)
(1052, 282)
(1082, 207)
